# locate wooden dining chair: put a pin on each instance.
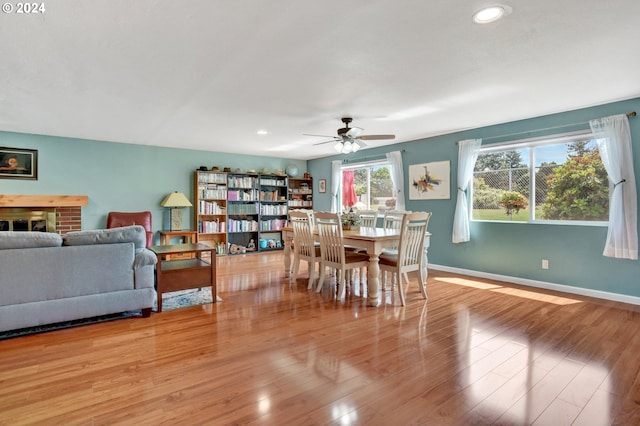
(333, 254)
(393, 219)
(304, 246)
(368, 218)
(410, 256)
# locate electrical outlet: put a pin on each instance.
(545, 264)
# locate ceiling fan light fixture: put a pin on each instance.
(349, 139)
(491, 13)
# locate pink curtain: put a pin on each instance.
(349, 197)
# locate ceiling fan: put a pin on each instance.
(350, 139)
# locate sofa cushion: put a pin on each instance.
(127, 234)
(20, 240)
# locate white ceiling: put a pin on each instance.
(207, 74)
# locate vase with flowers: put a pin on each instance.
(349, 220)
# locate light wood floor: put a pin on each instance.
(478, 352)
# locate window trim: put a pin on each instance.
(531, 143)
(360, 165)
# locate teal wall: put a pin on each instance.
(120, 177)
(513, 249)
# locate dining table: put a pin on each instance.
(373, 240)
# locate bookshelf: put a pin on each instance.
(243, 211)
(300, 193)
(211, 209)
(273, 211)
(240, 213)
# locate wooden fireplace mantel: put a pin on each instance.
(12, 200)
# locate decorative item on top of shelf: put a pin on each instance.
(292, 170)
(176, 201)
(307, 175)
(278, 172)
(227, 170)
(203, 168)
(252, 172)
(263, 171)
(215, 168)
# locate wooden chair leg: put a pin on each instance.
(400, 288)
(423, 281)
(312, 275)
(321, 279)
(343, 283)
(294, 272)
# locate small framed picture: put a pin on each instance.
(17, 163)
(322, 186)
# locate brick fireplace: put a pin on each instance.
(66, 209)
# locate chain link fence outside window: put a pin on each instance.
(574, 188)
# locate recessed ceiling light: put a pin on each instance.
(491, 14)
(262, 132)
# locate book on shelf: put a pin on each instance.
(243, 225)
(273, 224)
(211, 226)
(242, 195)
(211, 177)
(273, 209)
(210, 207)
(213, 191)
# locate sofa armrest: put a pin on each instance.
(144, 268)
(144, 257)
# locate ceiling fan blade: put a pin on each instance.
(376, 137)
(322, 143)
(320, 136)
(354, 132)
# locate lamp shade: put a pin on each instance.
(176, 199)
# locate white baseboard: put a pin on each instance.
(542, 284)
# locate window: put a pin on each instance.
(367, 186)
(559, 178)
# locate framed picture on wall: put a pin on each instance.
(322, 186)
(430, 181)
(17, 163)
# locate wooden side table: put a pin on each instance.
(175, 275)
(188, 237)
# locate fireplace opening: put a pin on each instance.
(23, 220)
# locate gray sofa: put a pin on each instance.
(46, 278)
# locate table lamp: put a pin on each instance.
(176, 201)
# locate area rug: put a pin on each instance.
(184, 298)
(173, 300)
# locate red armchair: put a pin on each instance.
(120, 219)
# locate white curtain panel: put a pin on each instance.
(397, 177)
(336, 183)
(614, 143)
(467, 155)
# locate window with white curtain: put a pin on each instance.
(558, 178)
(367, 186)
